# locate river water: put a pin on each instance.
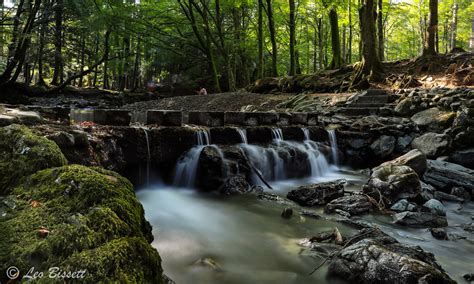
(248, 242)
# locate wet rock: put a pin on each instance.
(414, 159)
(287, 213)
(63, 139)
(461, 193)
(25, 117)
(80, 138)
(384, 146)
(403, 205)
(420, 220)
(468, 227)
(23, 153)
(439, 233)
(439, 195)
(317, 194)
(343, 213)
(275, 198)
(373, 257)
(432, 144)
(464, 158)
(211, 170)
(353, 204)
(433, 119)
(235, 185)
(443, 175)
(207, 263)
(469, 277)
(427, 191)
(393, 182)
(311, 214)
(435, 207)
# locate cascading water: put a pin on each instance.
(277, 134)
(334, 149)
(243, 135)
(186, 168)
(306, 134)
(148, 157)
(266, 160)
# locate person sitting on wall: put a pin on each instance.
(202, 91)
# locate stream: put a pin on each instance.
(208, 238)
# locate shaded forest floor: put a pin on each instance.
(324, 89)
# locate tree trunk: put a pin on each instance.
(271, 26)
(432, 29)
(454, 25)
(471, 43)
(43, 27)
(292, 38)
(349, 51)
(58, 42)
(321, 42)
(335, 42)
(82, 58)
(371, 67)
(261, 63)
(380, 30)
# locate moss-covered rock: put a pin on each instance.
(23, 153)
(78, 218)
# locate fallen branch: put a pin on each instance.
(257, 172)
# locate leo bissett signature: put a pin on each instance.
(54, 273)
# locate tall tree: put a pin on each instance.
(380, 30)
(371, 65)
(271, 27)
(58, 43)
(335, 42)
(261, 64)
(454, 25)
(430, 47)
(292, 38)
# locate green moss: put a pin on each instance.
(94, 221)
(23, 153)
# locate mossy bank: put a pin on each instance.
(70, 217)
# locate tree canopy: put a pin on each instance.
(220, 44)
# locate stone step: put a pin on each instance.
(360, 111)
(374, 92)
(363, 105)
(372, 99)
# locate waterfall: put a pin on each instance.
(266, 160)
(277, 134)
(317, 161)
(334, 149)
(243, 135)
(306, 134)
(186, 167)
(148, 157)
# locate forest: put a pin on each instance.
(237, 141)
(222, 44)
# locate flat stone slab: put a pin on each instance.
(211, 119)
(164, 118)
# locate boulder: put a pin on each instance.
(461, 193)
(464, 158)
(434, 119)
(427, 191)
(439, 195)
(432, 144)
(439, 233)
(23, 153)
(445, 175)
(403, 205)
(384, 146)
(371, 256)
(236, 184)
(317, 194)
(415, 159)
(434, 206)
(211, 171)
(405, 107)
(393, 182)
(420, 220)
(88, 219)
(353, 204)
